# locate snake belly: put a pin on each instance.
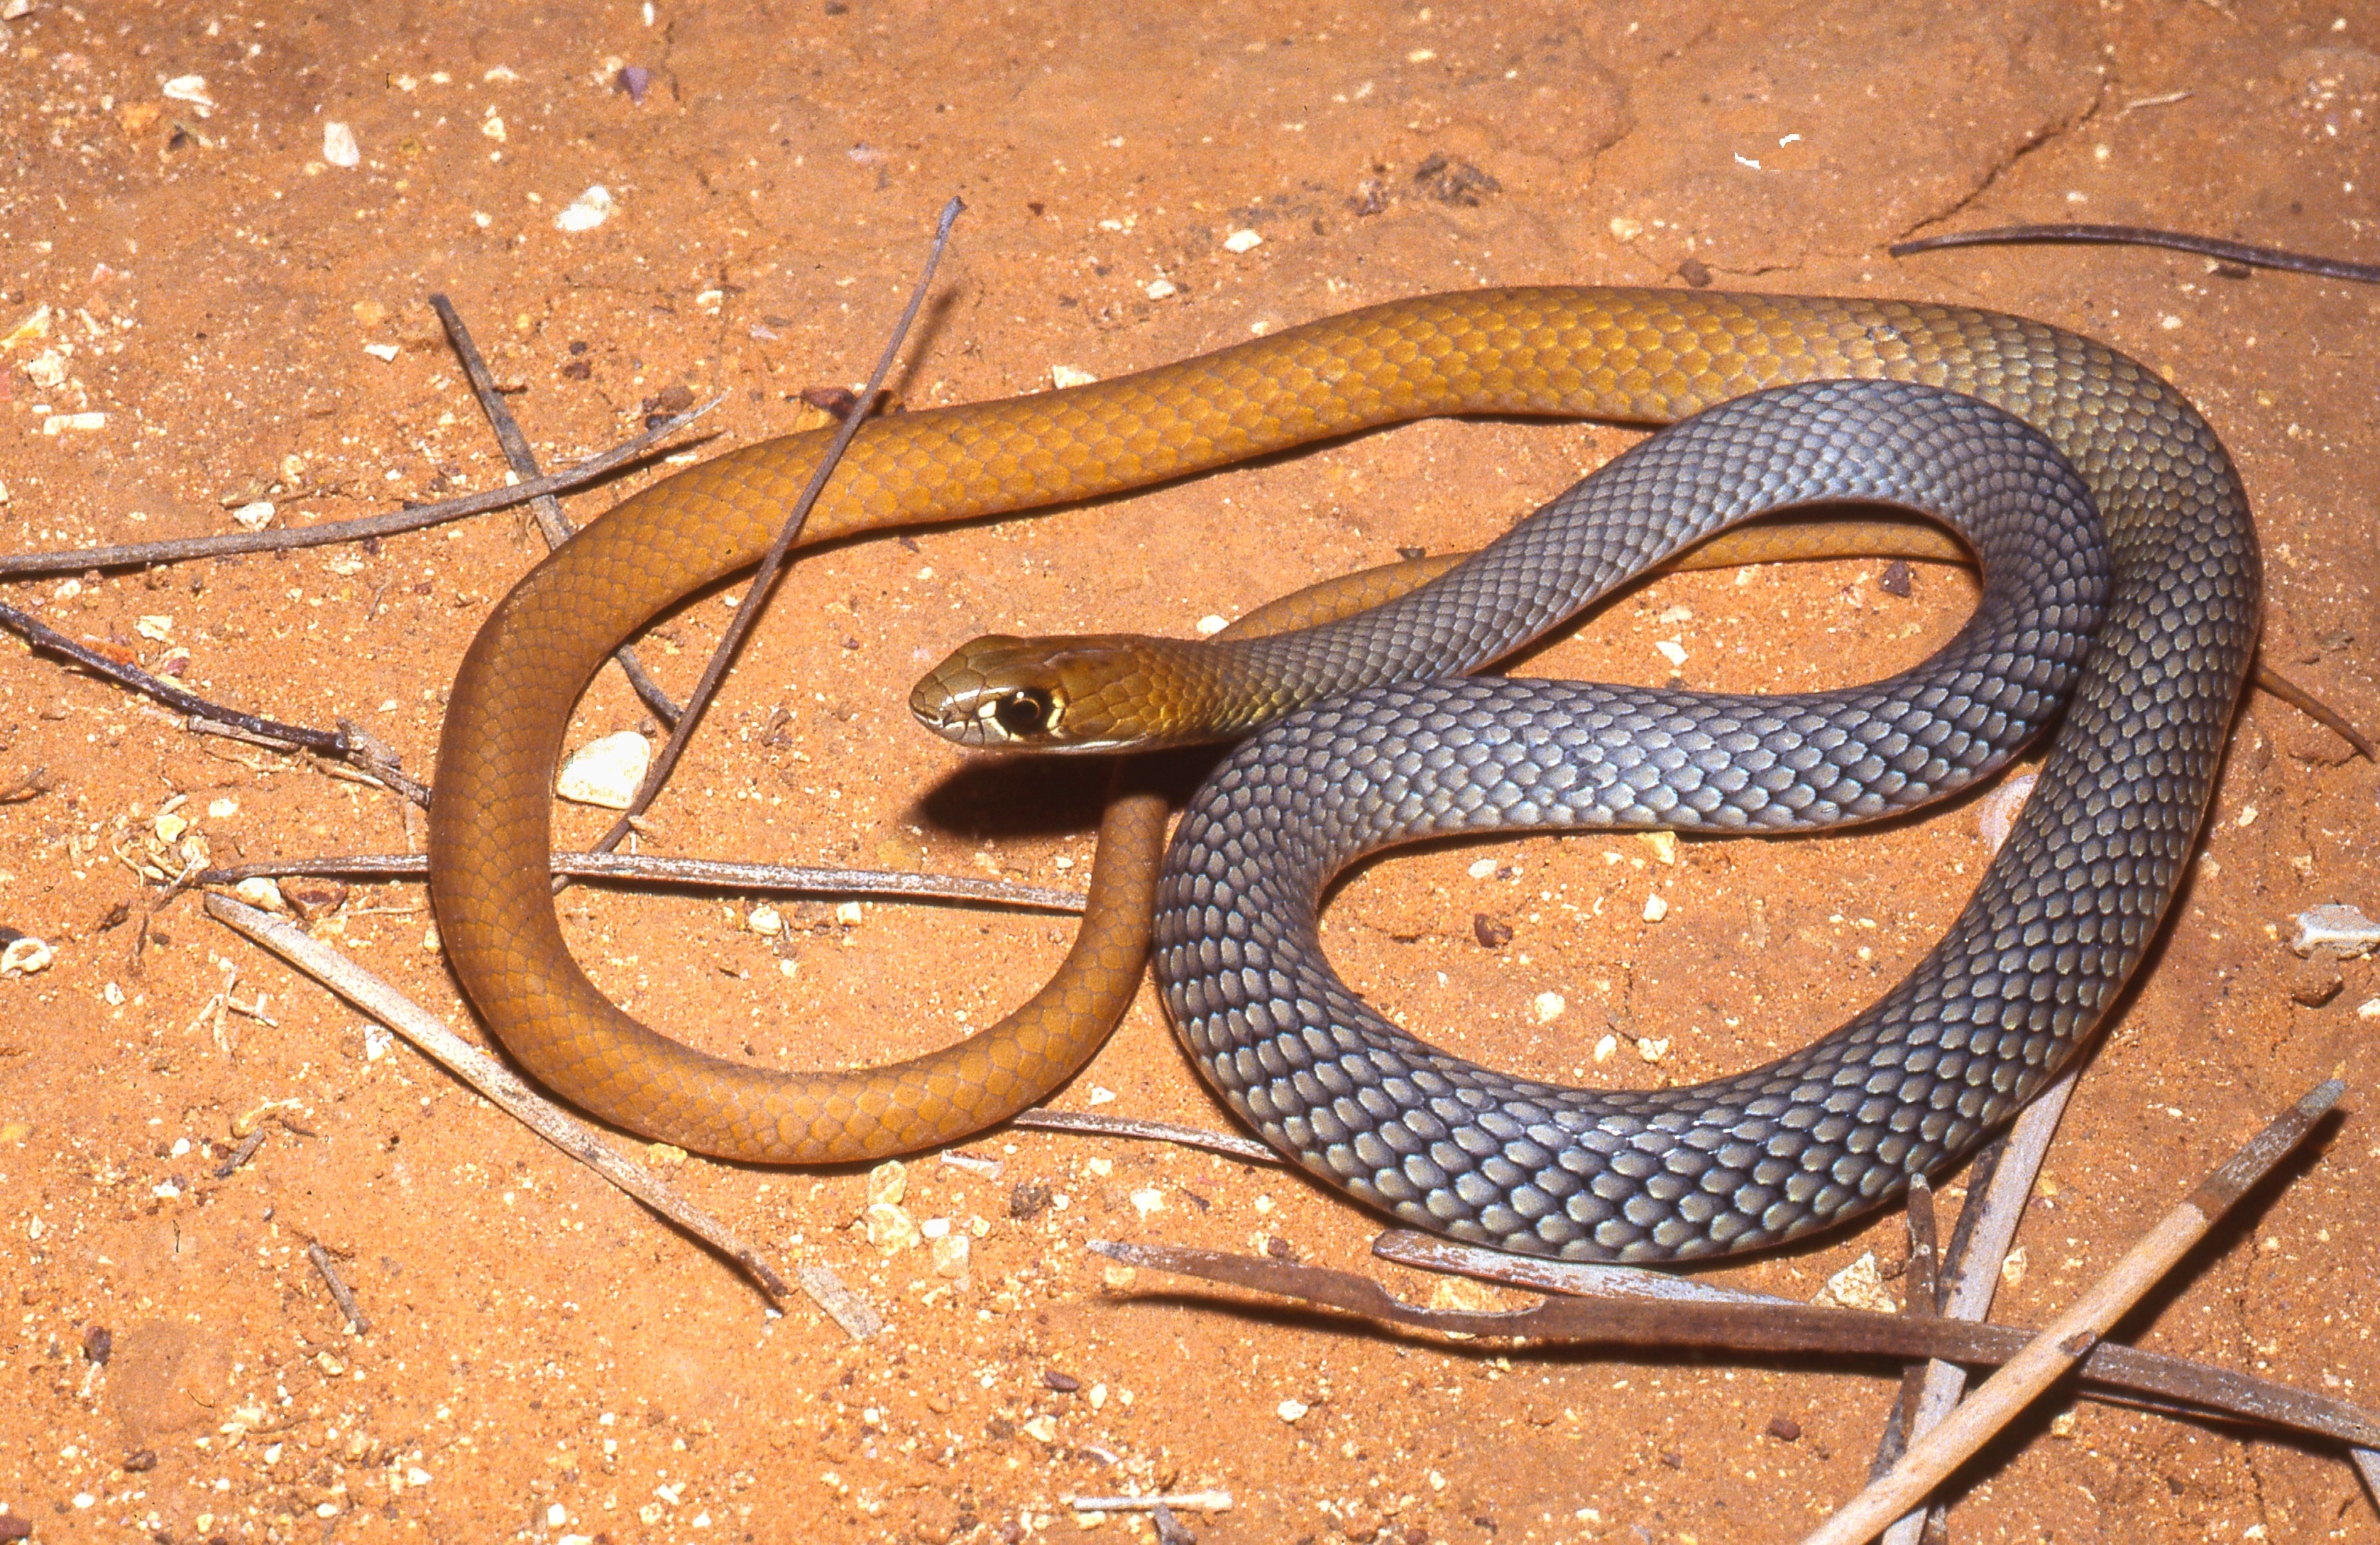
(2057, 924)
(2176, 516)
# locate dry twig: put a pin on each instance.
(143, 554)
(2072, 1336)
(1084, 1122)
(491, 1079)
(545, 510)
(748, 612)
(1768, 1326)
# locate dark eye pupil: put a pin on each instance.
(1023, 712)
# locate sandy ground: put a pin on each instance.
(244, 322)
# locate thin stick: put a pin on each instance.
(1997, 1195)
(1189, 1502)
(2114, 1374)
(732, 641)
(710, 873)
(50, 640)
(142, 554)
(1086, 1123)
(1922, 1296)
(1772, 1327)
(339, 1293)
(2146, 235)
(491, 1079)
(2074, 1334)
(545, 510)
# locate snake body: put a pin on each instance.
(2096, 861)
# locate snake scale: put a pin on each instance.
(2060, 922)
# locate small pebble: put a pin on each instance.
(1159, 289)
(1491, 934)
(1653, 1049)
(2315, 982)
(1895, 579)
(1063, 376)
(253, 517)
(1785, 1429)
(23, 955)
(1549, 1006)
(1656, 909)
(950, 1255)
(1242, 241)
(635, 80)
(889, 1228)
(888, 1182)
(2012, 1266)
(1673, 652)
(2336, 929)
(1148, 1201)
(1859, 1285)
(1065, 1383)
(339, 147)
(1291, 1410)
(847, 913)
(98, 1346)
(1210, 625)
(586, 212)
(765, 921)
(1481, 869)
(1663, 844)
(1997, 816)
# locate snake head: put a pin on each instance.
(1061, 693)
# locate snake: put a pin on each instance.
(2183, 611)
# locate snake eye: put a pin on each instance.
(1028, 710)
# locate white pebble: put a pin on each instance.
(191, 89)
(262, 894)
(1063, 376)
(1481, 869)
(1677, 614)
(1549, 1006)
(384, 353)
(2335, 929)
(1997, 816)
(339, 147)
(1210, 625)
(1656, 909)
(253, 517)
(222, 808)
(1291, 1410)
(1161, 289)
(157, 629)
(2012, 1266)
(377, 1040)
(765, 921)
(605, 771)
(847, 913)
(24, 956)
(1859, 1285)
(1101, 1097)
(1673, 652)
(2368, 1009)
(1242, 241)
(586, 212)
(1148, 1201)
(1652, 1050)
(1604, 1048)
(1663, 844)
(950, 1255)
(57, 424)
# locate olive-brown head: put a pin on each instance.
(1063, 693)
